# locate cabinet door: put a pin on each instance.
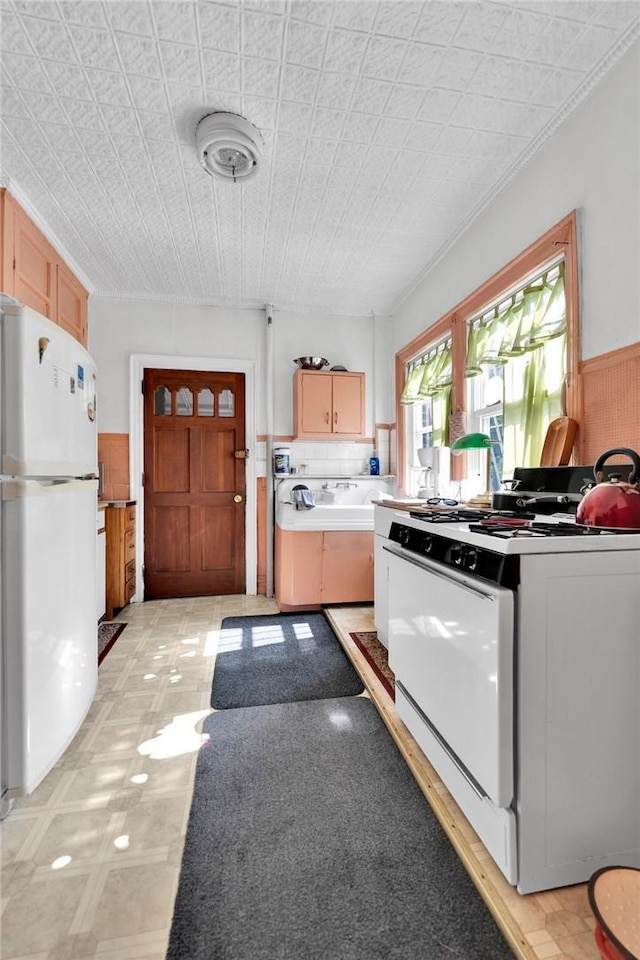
(71, 305)
(121, 567)
(101, 572)
(347, 566)
(298, 566)
(314, 413)
(34, 280)
(348, 404)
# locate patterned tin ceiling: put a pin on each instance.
(387, 126)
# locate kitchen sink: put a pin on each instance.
(333, 516)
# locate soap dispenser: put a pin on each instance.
(374, 465)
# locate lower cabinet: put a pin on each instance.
(120, 523)
(101, 564)
(316, 567)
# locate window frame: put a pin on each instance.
(563, 237)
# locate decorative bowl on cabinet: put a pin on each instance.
(311, 363)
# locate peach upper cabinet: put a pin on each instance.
(328, 405)
(34, 273)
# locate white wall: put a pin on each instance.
(119, 328)
(347, 341)
(592, 162)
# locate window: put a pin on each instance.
(184, 402)
(520, 331)
(422, 423)
(427, 392)
(484, 405)
(515, 368)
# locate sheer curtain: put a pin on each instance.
(527, 335)
(430, 377)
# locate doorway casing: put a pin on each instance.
(138, 363)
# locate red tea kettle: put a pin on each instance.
(612, 503)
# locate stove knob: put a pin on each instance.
(427, 544)
(405, 534)
(471, 560)
(457, 555)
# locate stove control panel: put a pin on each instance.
(482, 563)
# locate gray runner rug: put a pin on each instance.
(280, 658)
(309, 839)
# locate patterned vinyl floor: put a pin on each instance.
(90, 860)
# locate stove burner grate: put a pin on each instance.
(509, 524)
(541, 529)
(470, 515)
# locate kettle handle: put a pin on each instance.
(633, 456)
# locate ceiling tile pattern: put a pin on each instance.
(388, 126)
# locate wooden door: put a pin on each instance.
(194, 485)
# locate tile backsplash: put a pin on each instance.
(325, 458)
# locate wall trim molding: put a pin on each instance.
(620, 355)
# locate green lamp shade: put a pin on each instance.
(471, 441)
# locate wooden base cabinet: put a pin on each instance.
(315, 567)
(120, 523)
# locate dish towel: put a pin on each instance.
(303, 499)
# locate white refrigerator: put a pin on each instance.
(48, 497)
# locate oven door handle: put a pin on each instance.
(428, 568)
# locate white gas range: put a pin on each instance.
(516, 652)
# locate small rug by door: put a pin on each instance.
(108, 633)
(309, 838)
(377, 656)
(279, 659)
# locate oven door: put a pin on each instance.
(451, 649)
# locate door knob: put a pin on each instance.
(238, 498)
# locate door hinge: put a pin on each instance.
(142, 387)
(142, 478)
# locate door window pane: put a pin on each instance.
(162, 402)
(205, 403)
(185, 402)
(226, 403)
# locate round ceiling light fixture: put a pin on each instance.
(228, 146)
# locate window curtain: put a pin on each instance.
(429, 377)
(526, 334)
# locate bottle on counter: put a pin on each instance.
(374, 465)
(281, 461)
